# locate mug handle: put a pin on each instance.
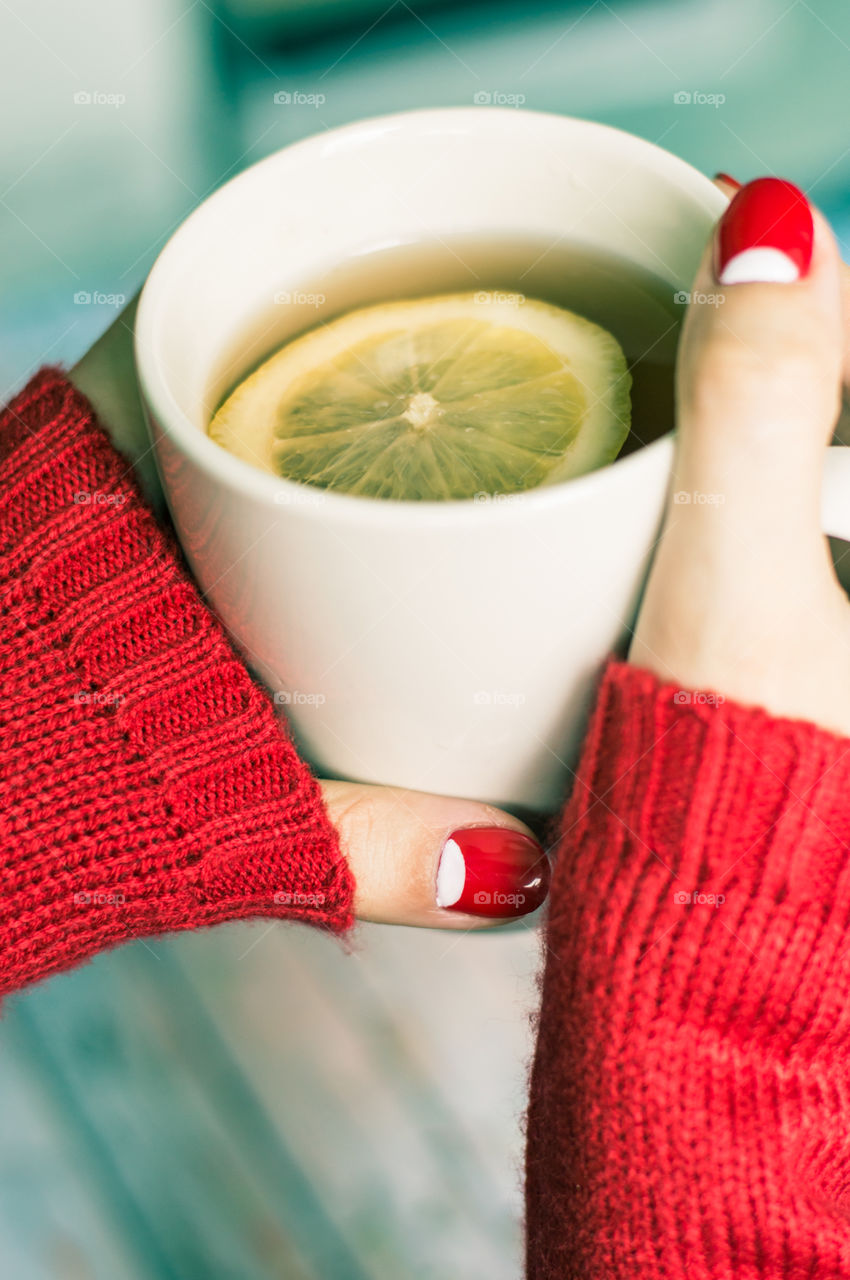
(835, 495)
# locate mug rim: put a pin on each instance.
(235, 474)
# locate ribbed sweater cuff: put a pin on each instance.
(689, 1105)
(734, 825)
(145, 783)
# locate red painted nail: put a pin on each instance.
(492, 871)
(766, 233)
(728, 179)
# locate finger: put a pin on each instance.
(107, 376)
(727, 184)
(759, 365)
(434, 861)
(742, 557)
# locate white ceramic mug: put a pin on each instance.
(449, 647)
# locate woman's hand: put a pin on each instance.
(742, 599)
(405, 848)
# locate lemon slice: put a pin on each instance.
(448, 397)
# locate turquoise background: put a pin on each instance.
(254, 1103)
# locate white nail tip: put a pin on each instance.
(760, 266)
(451, 875)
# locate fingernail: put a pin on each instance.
(492, 871)
(728, 179)
(766, 234)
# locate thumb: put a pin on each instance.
(742, 596)
(435, 861)
(759, 371)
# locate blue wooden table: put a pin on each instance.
(251, 1102)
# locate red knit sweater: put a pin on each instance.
(690, 1097)
(145, 783)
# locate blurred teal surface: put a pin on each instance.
(90, 192)
(253, 1102)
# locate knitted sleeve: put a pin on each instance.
(145, 783)
(690, 1099)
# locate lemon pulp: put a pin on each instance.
(448, 397)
